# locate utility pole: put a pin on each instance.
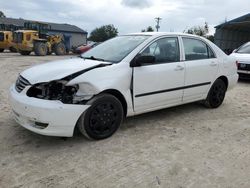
(157, 23)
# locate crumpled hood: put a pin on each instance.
(57, 69)
(241, 57)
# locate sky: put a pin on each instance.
(128, 15)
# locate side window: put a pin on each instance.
(195, 49)
(165, 50)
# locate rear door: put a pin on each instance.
(159, 84)
(201, 68)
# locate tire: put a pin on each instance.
(60, 49)
(12, 49)
(24, 52)
(102, 118)
(1, 50)
(40, 49)
(216, 94)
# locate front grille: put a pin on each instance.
(244, 66)
(21, 83)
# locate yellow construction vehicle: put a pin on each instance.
(6, 38)
(35, 37)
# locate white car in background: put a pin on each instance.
(242, 55)
(124, 76)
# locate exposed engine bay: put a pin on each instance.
(54, 90)
(57, 89)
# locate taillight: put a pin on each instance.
(237, 63)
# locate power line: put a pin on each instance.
(157, 23)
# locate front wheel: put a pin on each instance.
(216, 94)
(40, 49)
(102, 118)
(1, 50)
(60, 49)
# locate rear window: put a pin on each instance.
(1, 37)
(244, 49)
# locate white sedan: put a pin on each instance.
(242, 55)
(124, 76)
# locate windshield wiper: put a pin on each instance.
(93, 58)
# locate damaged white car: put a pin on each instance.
(124, 76)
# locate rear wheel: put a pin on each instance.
(103, 117)
(60, 49)
(22, 52)
(216, 94)
(1, 50)
(40, 49)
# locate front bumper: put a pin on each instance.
(60, 118)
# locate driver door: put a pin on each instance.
(159, 84)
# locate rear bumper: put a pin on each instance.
(243, 72)
(29, 112)
(244, 76)
(232, 80)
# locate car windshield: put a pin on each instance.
(115, 49)
(245, 49)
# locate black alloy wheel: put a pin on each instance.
(103, 117)
(216, 94)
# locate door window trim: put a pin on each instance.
(156, 39)
(199, 39)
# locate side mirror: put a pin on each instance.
(234, 50)
(140, 60)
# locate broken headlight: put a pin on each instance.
(54, 90)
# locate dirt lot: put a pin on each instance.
(186, 146)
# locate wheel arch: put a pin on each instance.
(120, 97)
(224, 79)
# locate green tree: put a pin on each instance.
(199, 30)
(2, 15)
(103, 33)
(149, 29)
(210, 37)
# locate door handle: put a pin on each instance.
(213, 64)
(179, 68)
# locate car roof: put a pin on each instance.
(162, 34)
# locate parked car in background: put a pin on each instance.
(124, 76)
(84, 48)
(242, 55)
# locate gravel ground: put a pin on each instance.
(185, 146)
